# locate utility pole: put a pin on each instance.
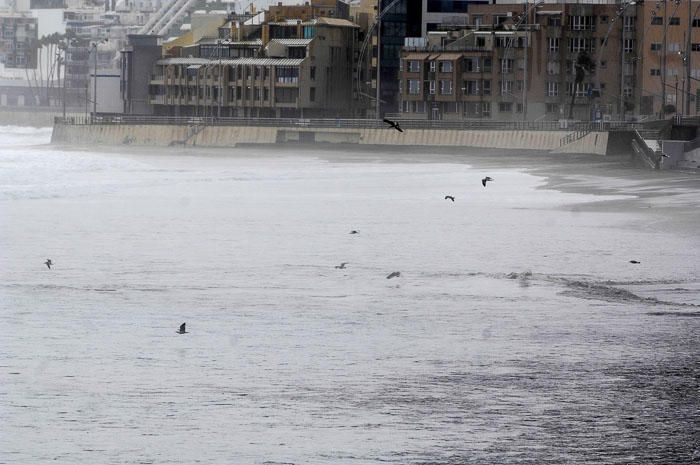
(379, 66)
(663, 67)
(621, 111)
(526, 49)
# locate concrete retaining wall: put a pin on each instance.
(230, 136)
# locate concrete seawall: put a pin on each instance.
(230, 136)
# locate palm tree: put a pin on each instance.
(584, 65)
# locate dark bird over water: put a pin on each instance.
(393, 124)
(355, 231)
(449, 197)
(341, 266)
(485, 180)
(664, 155)
(635, 262)
(182, 329)
(48, 263)
(395, 274)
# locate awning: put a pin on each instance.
(548, 13)
(194, 66)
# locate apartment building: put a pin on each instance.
(300, 69)
(520, 62)
(18, 36)
(669, 57)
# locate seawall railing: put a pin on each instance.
(343, 123)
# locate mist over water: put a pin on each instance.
(517, 333)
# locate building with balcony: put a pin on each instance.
(297, 69)
(668, 51)
(520, 62)
(18, 39)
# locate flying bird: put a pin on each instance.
(48, 263)
(635, 262)
(395, 274)
(663, 155)
(393, 124)
(449, 197)
(341, 266)
(355, 231)
(182, 329)
(485, 180)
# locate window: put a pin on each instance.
(478, 20)
(551, 107)
(481, 42)
(655, 72)
(445, 66)
(486, 86)
(674, 47)
(655, 46)
(671, 72)
(604, 64)
(506, 87)
(581, 23)
(506, 65)
(604, 19)
(413, 86)
(628, 69)
(471, 87)
(695, 73)
(487, 64)
(505, 107)
(629, 22)
(486, 109)
(580, 44)
(519, 108)
(312, 73)
(552, 89)
(432, 66)
(696, 22)
(674, 21)
(553, 44)
(552, 68)
(414, 66)
(312, 94)
(581, 89)
(627, 91)
(554, 21)
(432, 87)
(445, 87)
(657, 20)
(629, 45)
(471, 65)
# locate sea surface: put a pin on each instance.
(518, 332)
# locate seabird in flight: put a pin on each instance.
(450, 197)
(393, 124)
(485, 180)
(182, 329)
(341, 266)
(395, 274)
(635, 262)
(355, 231)
(48, 263)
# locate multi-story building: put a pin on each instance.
(669, 57)
(297, 69)
(18, 39)
(524, 62)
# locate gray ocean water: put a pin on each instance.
(517, 333)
